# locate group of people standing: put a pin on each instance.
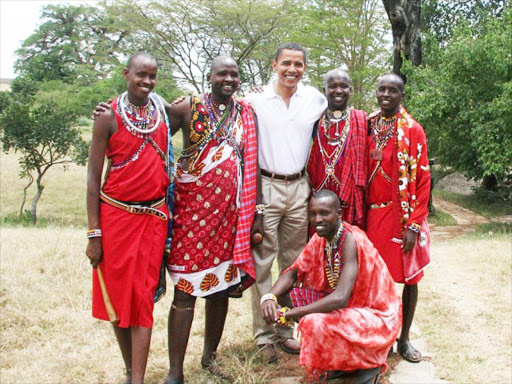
(240, 196)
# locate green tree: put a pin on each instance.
(44, 132)
(73, 42)
(186, 36)
(345, 33)
(463, 99)
(440, 17)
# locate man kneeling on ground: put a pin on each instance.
(344, 296)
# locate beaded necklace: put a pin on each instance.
(340, 140)
(139, 120)
(333, 259)
(383, 130)
(218, 126)
(328, 119)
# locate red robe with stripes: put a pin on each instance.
(349, 174)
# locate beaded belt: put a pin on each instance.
(294, 176)
(140, 207)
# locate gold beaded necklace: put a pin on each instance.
(332, 257)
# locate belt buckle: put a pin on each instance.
(135, 208)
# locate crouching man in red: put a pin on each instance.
(343, 295)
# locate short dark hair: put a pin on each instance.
(328, 194)
(220, 59)
(292, 47)
(139, 54)
(336, 73)
(399, 81)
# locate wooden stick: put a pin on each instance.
(112, 315)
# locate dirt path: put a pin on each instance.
(399, 370)
(466, 221)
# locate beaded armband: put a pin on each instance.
(268, 296)
(91, 233)
(260, 209)
(415, 227)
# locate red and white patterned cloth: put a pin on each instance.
(211, 226)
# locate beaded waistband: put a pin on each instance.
(150, 207)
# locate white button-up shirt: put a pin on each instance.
(285, 133)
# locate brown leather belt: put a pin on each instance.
(291, 177)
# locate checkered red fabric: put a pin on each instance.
(305, 296)
(242, 257)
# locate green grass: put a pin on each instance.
(442, 219)
(63, 200)
(486, 206)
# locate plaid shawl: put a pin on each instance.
(242, 257)
(354, 169)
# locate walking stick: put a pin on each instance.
(112, 315)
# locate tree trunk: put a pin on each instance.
(39, 192)
(490, 183)
(404, 16)
(20, 213)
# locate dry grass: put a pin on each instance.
(63, 200)
(465, 309)
(48, 335)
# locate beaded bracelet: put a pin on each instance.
(415, 227)
(268, 296)
(281, 317)
(260, 209)
(91, 233)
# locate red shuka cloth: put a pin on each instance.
(402, 201)
(211, 234)
(132, 244)
(360, 335)
(350, 170)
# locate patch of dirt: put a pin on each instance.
(456, 182)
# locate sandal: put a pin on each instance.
(292, 349)
(407, 351)
(213, 367)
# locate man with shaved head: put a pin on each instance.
(343, 297)
(127, 214)
(397, 198)
(215, 202)
(337, 160)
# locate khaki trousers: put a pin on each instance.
(286, 230)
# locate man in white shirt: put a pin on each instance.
(287, 111)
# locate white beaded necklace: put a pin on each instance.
(127, 121)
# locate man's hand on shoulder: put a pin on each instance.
(373, 115)
(100, 108)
